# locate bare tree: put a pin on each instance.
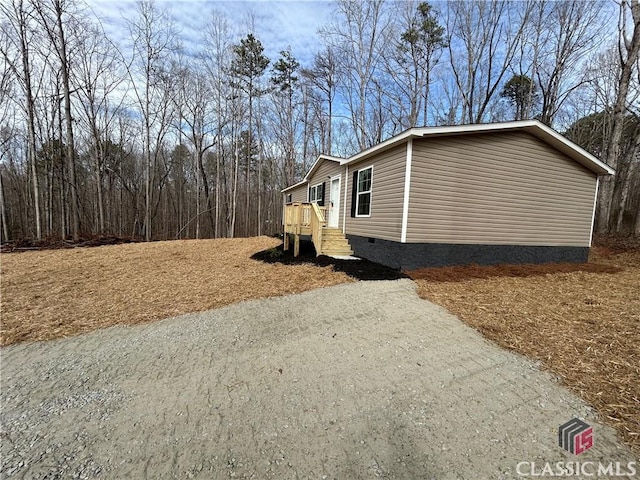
(483, 38)
(323, 76)
(247, 67)
(98, 75)
(417, 51)
(51, 15)
(198, 126)
(567, 35)
(18, 39)
(217, 58)
(358, 36)
(7, 131)
(153, 34)
(285, 80)
(628, 53)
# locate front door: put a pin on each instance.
(334, 203)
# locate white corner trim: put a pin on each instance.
(593, 214)
(344, 208)
(407, 185)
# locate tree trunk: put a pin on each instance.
(48, 187)
(73, 186)
(63, 203)
(216, 232)
(632, 48)
(3, 212)
(205, 182)
(329, 126)
(147, 183)
(248, 160)
(626, 183)
(198, 174)
(31, 134)
(216, 223)
(259, 187)
(234, 202)
(99, 189)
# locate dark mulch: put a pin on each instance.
(614, 244)
(461, 273)
(359, 269)
(56, 243)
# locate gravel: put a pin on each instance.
(361, 380)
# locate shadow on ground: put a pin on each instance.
(56, 243)
(361, 269)
(460, 273)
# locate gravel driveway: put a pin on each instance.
(360, 380)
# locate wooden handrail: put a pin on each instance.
(317, 222)
(304, 219)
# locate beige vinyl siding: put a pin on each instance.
(298, 194)
(387, 195)
(498, 188)
(326, 169)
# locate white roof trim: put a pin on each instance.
(331, 157)
(568, 147)
(534, 127)
(381, 146)
(317, 163)
(293, 186)
(313, 169)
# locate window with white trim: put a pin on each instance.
(363, 192)
(315, 194)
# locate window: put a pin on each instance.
(289, 197)
(316, 194)
(363, 192)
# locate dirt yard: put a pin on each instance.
(57, 293)
(581, 322)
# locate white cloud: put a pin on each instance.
(278, 24)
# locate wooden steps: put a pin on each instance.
(309, 219)
(334, 242)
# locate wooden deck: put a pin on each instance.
(310, 219)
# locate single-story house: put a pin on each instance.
(514, 192)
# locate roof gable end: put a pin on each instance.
(533, 127)
(318, 162)
(314, 167)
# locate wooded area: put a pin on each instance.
(157, 139)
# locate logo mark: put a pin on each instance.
(575, 436)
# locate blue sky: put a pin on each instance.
(278, 24)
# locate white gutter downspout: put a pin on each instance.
(407, 185)
(344, 209)
(593, 215)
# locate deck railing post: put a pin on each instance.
(316, 221)
(303, 217)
